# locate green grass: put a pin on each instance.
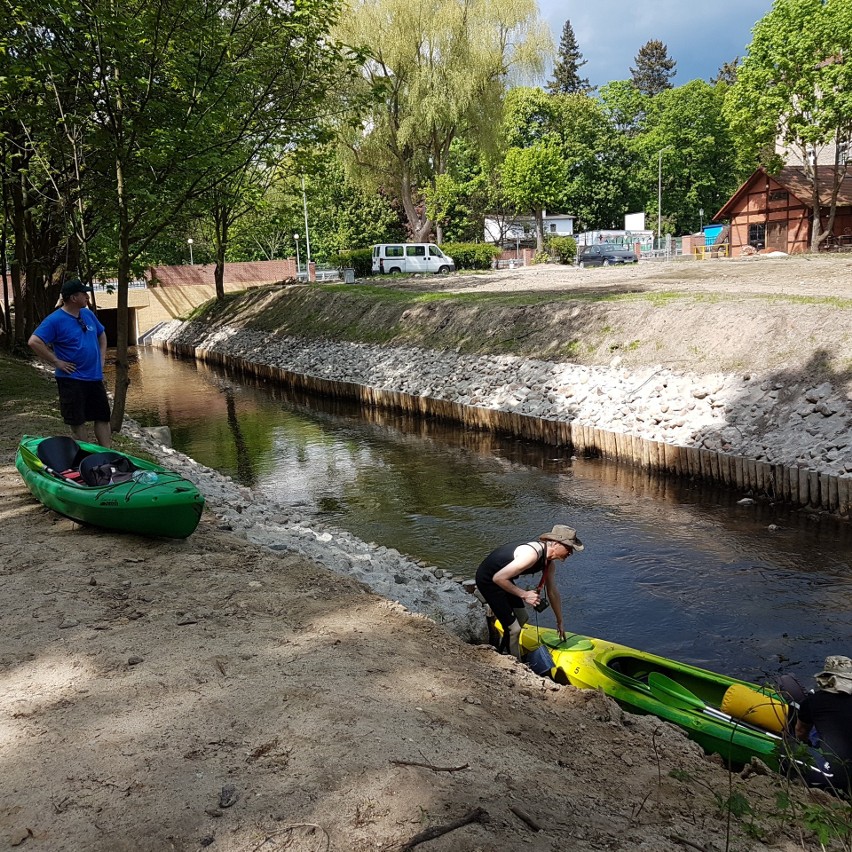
(20, 380)
(29, 405)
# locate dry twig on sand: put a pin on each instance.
(476, 815)
(430, 766)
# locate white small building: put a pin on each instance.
(505, 230)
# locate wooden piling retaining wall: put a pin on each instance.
(797, 486)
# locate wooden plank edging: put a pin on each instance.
(793, 484)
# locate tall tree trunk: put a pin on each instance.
(7, 325)
(122, 364)
(22, 300)
(221, 223)
(419, 225)
(539, 229)
(816, 224)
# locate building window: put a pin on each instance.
(757, 236)
(553, 227)
(778, 195)
(844, 151)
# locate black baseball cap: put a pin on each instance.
(72, 286)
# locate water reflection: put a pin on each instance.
(669, 566)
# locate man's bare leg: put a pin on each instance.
(103, 433)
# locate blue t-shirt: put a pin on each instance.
(65, 335)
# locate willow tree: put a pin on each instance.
(438, 69)
(794, 92)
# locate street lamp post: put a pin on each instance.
(701, 219)
(296, 238)
(189, 243)
(307, 232)
(660, 193)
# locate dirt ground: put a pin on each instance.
(207, 693)
(788, 317)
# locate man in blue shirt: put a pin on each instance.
(73, 341)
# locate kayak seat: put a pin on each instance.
(61, 452)
(89, 467)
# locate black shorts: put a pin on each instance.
(82, 402)
(502, 604)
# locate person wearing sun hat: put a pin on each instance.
(828, 710)
(496, 575)
(72, 340)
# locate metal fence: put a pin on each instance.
(112, 284)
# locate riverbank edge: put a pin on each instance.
(435, 593)
(802, 487)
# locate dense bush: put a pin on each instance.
(472, 255)
(562, 249)
(541, 257)
(361, 260)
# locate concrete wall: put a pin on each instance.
(150, 307)
(174, 291)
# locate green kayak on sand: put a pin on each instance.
(107, 488)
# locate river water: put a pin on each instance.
(669, 567)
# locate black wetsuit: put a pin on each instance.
(831, 714)
(501, 602)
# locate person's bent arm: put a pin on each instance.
(525, 557)
(802, 730)
(49, 356)
(102, 342)
(555, 601)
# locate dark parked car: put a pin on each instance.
(604, 254)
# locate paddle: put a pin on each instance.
(623, 679)
(674, 694)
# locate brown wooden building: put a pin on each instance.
(774, 211)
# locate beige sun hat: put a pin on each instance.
(836, 675)
(563, 535)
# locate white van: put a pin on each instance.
(410, 258)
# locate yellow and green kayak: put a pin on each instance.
(733, 718)
(106, 488)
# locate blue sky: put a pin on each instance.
(700, 37)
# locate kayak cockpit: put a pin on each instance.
(708, 687)
(65, 459)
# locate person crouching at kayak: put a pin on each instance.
(496, 575)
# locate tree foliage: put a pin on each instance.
(162, 102)
(698, 164)
(625, 106)
(795, 88)
(534, 179)
(566, 70)
(460, 198)
(727, 73)
(654, 68)
(438, 68)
